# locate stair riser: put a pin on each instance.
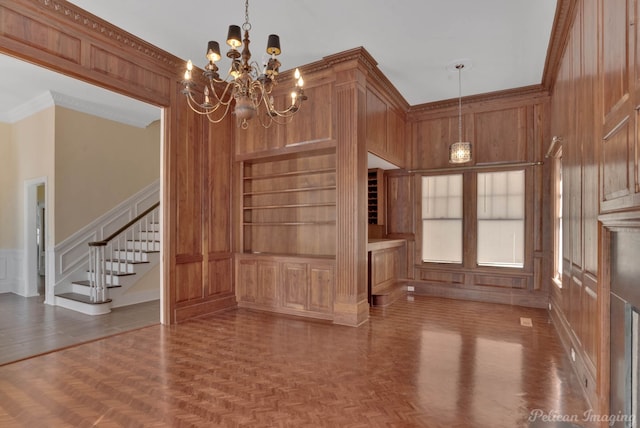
(131, 256)
(144, 246)
(153, 227)
(119, 267)
(83, 307)
(109, 279)
(148, 236)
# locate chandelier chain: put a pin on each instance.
(246, 26)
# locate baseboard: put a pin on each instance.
(576, 355)
(505, 297)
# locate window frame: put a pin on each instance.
(469, 222)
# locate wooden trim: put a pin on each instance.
(479, 102)
(562, 23)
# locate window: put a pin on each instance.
(557, 218)
(501, 219)
(442, 218)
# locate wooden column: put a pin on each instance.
(350, 298)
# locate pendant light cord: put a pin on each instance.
(460, 67)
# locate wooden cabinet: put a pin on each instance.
(286, 284)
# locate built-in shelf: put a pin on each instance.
(289, 205)
(293, 190)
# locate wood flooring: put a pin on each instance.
(421, 362)
(28, 327)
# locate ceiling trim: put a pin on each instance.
(562, 23)
(106, 29)
(50, 98)
(441, 107)
(29, 108)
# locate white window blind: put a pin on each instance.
(501, 219)
(442, 218)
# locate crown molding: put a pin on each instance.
(48, 99)
(29, 108)
(94, 23)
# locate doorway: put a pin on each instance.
(35, 238)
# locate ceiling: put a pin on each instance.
(415, 42)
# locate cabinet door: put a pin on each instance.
(247, 281)
(268, 283)
(295, 285)
(321, 281)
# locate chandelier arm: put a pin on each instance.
(203, 108)
(224, 94)
(207, 113)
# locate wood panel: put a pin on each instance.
(247, 280)
(396, 137)
(321, 283)
(376, 129)
(500, 136)
(615, 162)
(294, 285)
(314, 122)
(400, 204)
(615, 54)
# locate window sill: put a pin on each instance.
(557, 282)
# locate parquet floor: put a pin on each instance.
(422, 362)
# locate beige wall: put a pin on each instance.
(7, 193)
(99, 163)
(29, 156)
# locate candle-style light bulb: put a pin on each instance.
(293, 98)
(187, 73)
(300, 82)
(296, 74)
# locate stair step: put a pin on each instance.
(387, 295)
(81, 298)
(126, 261)
(114, 273)
(86, 283)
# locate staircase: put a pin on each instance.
(113, 265)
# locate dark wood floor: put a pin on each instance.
(28, 327)
(422, 362)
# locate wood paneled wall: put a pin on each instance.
(197, 221)
(594, 110)
(507, 130)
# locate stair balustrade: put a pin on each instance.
(106, 256)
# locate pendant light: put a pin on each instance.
(460, 151)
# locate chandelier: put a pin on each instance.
(247, 84)
(460, 151)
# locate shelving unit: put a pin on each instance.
(289, 205)
(375, 196)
